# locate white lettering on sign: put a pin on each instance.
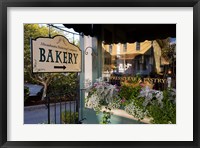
(55, 55)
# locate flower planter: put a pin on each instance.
(119, 116)
(138, 101)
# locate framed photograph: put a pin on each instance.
(106, 73)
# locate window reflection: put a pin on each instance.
(149, 59)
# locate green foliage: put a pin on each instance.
(140, 111)
(106, 117)
(136, 111)
(140, 102)
(63, 83)
(135, 92)
(167, 50)
(91, 92)
(128, 93)
(26, 93)
(135, 106)
(66, 117)
(116, 104)
(166, 114)
(125, 92)
(160, 114)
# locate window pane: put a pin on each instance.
(149, 61)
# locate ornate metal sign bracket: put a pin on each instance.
(93, 51)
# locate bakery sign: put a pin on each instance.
(55, 54)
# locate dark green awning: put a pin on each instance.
(122, 33)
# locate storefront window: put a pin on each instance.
(125, 47)
(152, 63)
(137, 46)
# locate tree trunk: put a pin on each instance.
(44, 91)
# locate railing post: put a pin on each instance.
(55, 109)
(77, 96)
(60, 109)
(65, 108)
(48, 106)
(70, 112)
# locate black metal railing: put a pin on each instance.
(62, 109)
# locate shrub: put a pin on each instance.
(137, 100)
(106, 117)
(166, 114)
(66, 117)
(159, 106)
(128, 93)
(26, 93)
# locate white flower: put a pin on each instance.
(88, 83)
(149, 94)
(159, 96)
(135, 111)
(109, 93)
(172, 94)
(102, 92)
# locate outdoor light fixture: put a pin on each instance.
(169, 72)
